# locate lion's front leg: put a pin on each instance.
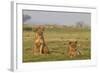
(41, 48)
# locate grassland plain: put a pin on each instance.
(57, 42)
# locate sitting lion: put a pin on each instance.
(40, 46)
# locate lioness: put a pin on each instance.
(72, 48)
(40, 46)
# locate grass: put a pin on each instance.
(57, 40)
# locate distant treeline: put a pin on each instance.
(27, 28)
(32, 28)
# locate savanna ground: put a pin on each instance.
(57, 42)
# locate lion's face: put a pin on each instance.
(73, 43)
(40, 30)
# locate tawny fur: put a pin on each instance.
(72, 48)
(40, 46)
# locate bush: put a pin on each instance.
(27, 28)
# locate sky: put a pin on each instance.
(51, 17)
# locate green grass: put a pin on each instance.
(57, 40)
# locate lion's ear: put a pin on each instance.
(69, 42)
(76, 42)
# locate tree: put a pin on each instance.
(80, 24)
(26, 17)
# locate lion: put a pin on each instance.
(72, 48)
(40, 46)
